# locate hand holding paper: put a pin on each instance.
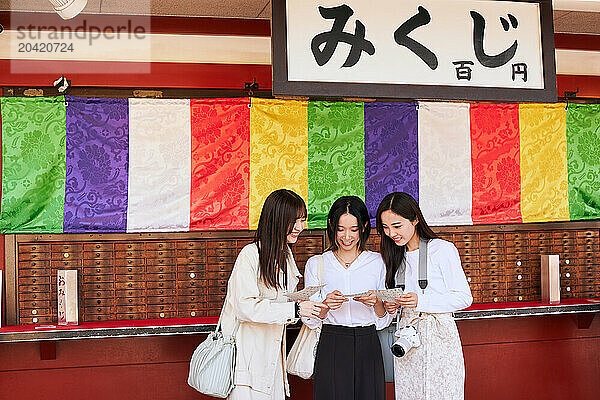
(305, 293)
(389, 295)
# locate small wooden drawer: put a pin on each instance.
(126, 254)
(129, 246)
(31, 320)
(160, 285)
(131, 309)
(34, 272)
(129, 262)
(189, 306)
(159, 269)
(214, 290)
(33, 248)
(97, 255)
(183, 253)
(493, 285)
(99, 302)
(34, 304)
(99, 294)
(34, 264)
(68, 247)
(159, 245)
(192, 299)
(191, 245)
(310, 250)
(33, 256)
(490, 257)
(98, 278)
(220, 244)
(185, 276)
(130, 270)
(222, 252)
(34, 296)
(219, 275)
(91, 247)
(161, 300)
(160, 307)
(130, 316)
(130, 301)
(191, 291)
(160, 277)
(161, 292)
(192, 313)
(166, 253)
(160, 261)
(162, 314)
(59, 264)
(195, 260)
(98, 286)
(190, 284)
(98, 263)
(97, 317)
(98, 270)
(130, 293)
(587, 233)
(34, 280)
(471, 280)
(318, 241)
(129, 285)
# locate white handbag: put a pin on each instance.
(213, 363)
(301, 359)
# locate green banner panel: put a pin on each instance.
(33, 164)
(336, 156)
(583, 160)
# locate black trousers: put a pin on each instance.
(348, 364)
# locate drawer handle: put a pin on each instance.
(192, 275)
(35, 320)
(568, 275)
(97, 246)
(568, 288)
(34, 312)
(469, 279)
(128, 246)
(129, 269)
(162, 314)
(519, 277)
(99, 302)
(193, 313)
(66, 255)
(519, 263)
(98, 270)
(567, 261)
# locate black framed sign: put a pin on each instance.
(428, 49)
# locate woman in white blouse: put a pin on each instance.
(263, 271)
(348, 363)
(434, 369)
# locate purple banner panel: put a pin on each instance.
(391, 152)
(97, 165)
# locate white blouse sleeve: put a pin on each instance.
(457, 292)
(245, 296)
(311, 279)
(384, 321)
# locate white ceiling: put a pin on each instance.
(564, 21)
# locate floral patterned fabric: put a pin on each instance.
(435, 370)
(97, 165)
(391, 152)
(583, 156)
(336, 156)
(220, 164)
(445, 191)
(495, 162)
(33, 164)
(278, 151)
(544, 177)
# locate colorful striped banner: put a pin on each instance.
(146, 165)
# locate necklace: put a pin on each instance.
(345, 263)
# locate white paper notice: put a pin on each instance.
(389, 295)
(305, 293)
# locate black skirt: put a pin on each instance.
(348, 364)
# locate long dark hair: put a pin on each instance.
(406, 206)
(351, 205)
(277, 219)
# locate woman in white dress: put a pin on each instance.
(263, 271)
(348, 363)
(434, 370)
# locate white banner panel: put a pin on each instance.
(445, 191)
(159, 165)
(429, 42)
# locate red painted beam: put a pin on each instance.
(589, 86)
(161, 75)
(576, 41)
(151, 24)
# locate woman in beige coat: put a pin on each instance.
(263, 271)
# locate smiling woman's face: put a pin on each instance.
(398, 228)
(347, 234)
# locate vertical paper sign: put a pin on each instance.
(67, 297)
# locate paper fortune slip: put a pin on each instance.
(305, 293)
(361, 294)
(389, 295)
(67, 297)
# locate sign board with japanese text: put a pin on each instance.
(430, 49)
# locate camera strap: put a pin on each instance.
(401, 274)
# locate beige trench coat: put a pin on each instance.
(263, 313)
